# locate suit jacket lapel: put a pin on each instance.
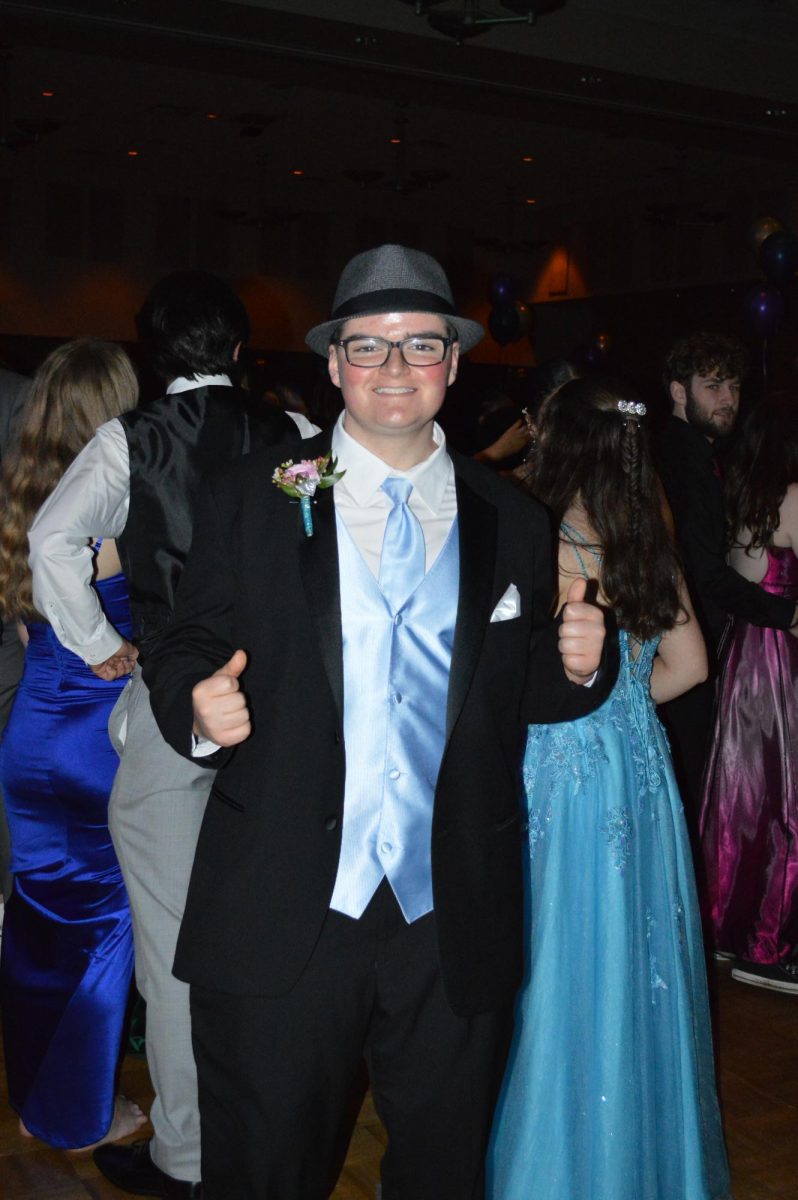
(477, 526)
(318, 566)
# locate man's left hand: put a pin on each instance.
(582, 634)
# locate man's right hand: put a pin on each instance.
(220, 707)
(119, 664)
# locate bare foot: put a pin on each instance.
(128, 1119)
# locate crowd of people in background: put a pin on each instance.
(663, 759)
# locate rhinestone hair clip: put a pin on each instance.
(632, 406)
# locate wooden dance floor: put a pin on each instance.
(758, 1062)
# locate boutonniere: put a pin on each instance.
(301, 480)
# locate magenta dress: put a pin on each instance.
(749, 817)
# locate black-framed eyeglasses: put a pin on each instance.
(417, 351)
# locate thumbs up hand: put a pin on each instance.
(581, 634)
(220, 707)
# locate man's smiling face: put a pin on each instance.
(390, 409)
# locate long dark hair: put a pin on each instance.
(760, 467)
(589, 450)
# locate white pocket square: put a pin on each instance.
(508, 607)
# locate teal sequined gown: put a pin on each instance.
(610, 1088)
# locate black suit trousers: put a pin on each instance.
(278, 1075)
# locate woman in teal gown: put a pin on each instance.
(67, 952)
(610, 1091)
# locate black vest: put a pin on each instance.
(173, 442)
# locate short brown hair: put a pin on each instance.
(704, 354)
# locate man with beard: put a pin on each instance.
(702, 376)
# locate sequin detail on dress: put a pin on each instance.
(657, 982)
(617, 827)
(538, 820)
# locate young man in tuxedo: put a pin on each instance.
(137, 481)
(363, 692)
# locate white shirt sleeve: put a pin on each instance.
(91, 500)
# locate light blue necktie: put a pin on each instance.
(403, 556)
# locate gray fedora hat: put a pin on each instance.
(393, 279)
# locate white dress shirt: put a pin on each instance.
(364, 508)
(92, 500)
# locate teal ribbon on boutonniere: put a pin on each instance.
(301, 481)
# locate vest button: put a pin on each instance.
(330, 823)
(394, 774)
(386, 848)
(397, 619)
(398, 697)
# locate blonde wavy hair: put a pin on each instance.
(78, 387)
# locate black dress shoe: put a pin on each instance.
(131, 1169)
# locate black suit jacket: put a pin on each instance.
(272, 829)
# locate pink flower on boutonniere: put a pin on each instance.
(302, 479)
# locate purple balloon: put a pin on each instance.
(765, 307)
(778, 256)
(504, 290)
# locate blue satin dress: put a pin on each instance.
(67, 948)
(610, 1087)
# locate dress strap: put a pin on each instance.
(575, 539)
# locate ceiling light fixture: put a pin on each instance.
(470, 21)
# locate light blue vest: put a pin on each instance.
(396, 683)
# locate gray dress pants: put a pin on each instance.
(155, 811)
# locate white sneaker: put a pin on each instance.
(779, 977)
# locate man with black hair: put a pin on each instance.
(137, 481)
(702, 377)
